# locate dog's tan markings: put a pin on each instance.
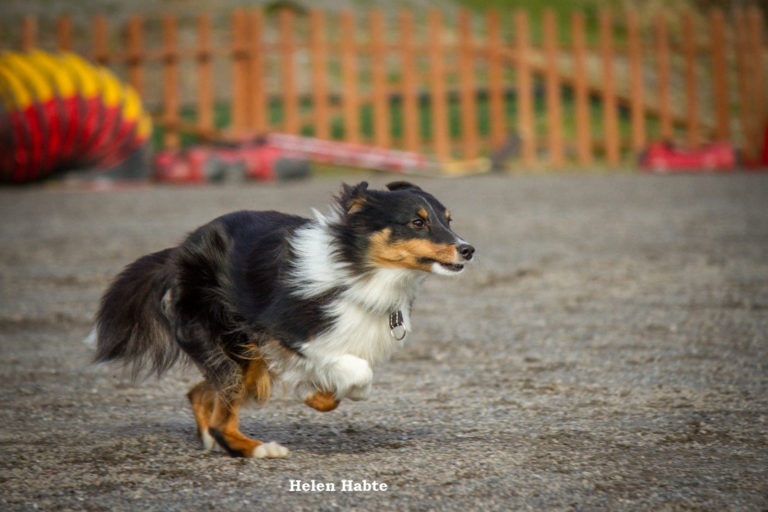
(448, 215)
(202, 397)
(422, 213)
(322, 401)
(257, 383)
(356, 205)
(217, 412)
(407, 253)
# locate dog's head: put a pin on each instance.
(402, 227)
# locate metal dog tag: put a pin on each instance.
(396, 327)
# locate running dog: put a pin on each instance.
(255, 298)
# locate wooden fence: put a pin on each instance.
(435, 85)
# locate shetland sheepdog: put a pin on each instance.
(258, 298)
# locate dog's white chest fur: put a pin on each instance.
(340, 358)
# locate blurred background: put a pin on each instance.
(263, 89)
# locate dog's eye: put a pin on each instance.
(418, 223)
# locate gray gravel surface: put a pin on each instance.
(609, 350)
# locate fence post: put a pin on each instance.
(239, 107)
(100, 52)
(381, 126)
(290, 98)
(662, 60)
(581, 91)
(170, 83)
(411, 126)
(554, 106)
(720, 76)
(204, 75)
(637, 92)
(28, 33)
(496, 103)
(349, 98)
(439, 97)
(692, 104)
(64, 33)
(525, 91)
(741, 49)
(135, 55)
(755, 31)
(258, 104)
(467, 80)
(319, 74)
(610, 114)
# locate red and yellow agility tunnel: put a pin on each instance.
(58, 112)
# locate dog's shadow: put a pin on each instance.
(306, 436)
(354, 437)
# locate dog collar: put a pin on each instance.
(396, 328)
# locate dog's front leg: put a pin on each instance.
(353, 377)
(347, 376)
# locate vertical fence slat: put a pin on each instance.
(581, 90)
(204, 75)
(495, 80)
(349, 97)
(691, 92)
(744, 78)
(28, 33)
(467, 79)
(258, 103)
(610, 112)
(319, 53)
(637, 90)
(525, 90)
(64, 33)
(135, 55)
(239, 107)
(381, 126)
(439, 96)
(287, 64)
(720, 76)
(755, 31)
(409, 83)
(100, 51)
(663, 76)
(554, 100)
(170, 83)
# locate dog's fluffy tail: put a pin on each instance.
(131, 324)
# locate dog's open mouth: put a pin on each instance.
(450, 267)
(453, 267)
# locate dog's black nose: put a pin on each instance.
(466, 251)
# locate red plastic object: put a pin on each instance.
(202, 164)
(663, 157)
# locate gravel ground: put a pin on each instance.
(609, 350)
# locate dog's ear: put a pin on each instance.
(401, 185)
(352, 199)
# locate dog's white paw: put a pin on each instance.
(209, 443)
(352, 373)
(360, 392)
(270, 450)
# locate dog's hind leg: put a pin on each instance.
(225, 418)
(202, 398)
